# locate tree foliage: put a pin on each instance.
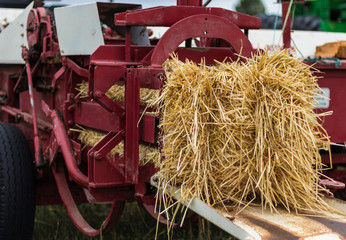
(251, 7)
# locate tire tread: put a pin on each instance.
(17, 194)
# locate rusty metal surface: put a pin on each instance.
(263, 224)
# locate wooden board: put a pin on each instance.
(333, 49)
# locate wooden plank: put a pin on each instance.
(331, 50)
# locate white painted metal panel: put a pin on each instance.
(8, 15)
(79, 29)
(305, 41)
(13, 38)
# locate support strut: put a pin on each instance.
(64, 143)
(74, 172)
(74, 213)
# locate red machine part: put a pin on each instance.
(37, 144)
(201, 25)
(119, 64)
(333, 81)
(33, 29)
(73, 211)
(331, 78)
(167, 16)
(120, 179)
(53, 80)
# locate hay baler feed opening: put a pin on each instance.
(81, 83)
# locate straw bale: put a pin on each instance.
(243, 132)
(117, 93)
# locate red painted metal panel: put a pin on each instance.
(85, 113)
(109, 194)
(113, 55)
(105, 77)
(189, 2)
(335, 81)
(131, 130)
(103, 173)
(208, 54)
(94, 116)
(337, 158)
(202, 25)
(167, 16)
(147, 128)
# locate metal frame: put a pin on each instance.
(50, 79)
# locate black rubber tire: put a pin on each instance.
(17, 191)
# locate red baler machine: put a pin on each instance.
(39, 100)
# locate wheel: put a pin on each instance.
(17, 193)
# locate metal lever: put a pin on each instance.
(38, 149)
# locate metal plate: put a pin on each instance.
(13, 37)
(79, 29)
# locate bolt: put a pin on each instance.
(91, 154)
(98, 156)
(98, 94)
(70, 108)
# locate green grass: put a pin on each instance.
(52, 222)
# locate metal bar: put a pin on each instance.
(77, 69)
(20, 78)
(66, 147)
(128, 44)
(57, 75)
(286, 23)
(168, 16)
(132, 130)
(17, 113)
(102, 149)
(76, 217)
(108, 104)
(37, 143)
